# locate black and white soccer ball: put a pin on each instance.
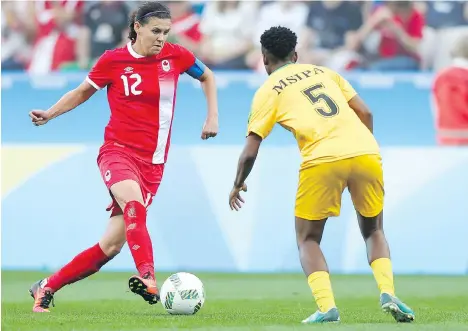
(182, 294)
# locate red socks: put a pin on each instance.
(83, 265)
(91, 260)
(138, 238)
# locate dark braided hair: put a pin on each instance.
(279, 42)
(144, 13)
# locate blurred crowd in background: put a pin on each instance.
(43, 36)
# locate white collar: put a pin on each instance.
(460, 62)
(132, 51)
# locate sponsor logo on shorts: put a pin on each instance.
(107, 175)
(131, 226)
(135, 247)
(128, 70)
(166, 66)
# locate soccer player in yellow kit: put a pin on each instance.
(333, 128)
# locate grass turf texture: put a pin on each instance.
(271, 302)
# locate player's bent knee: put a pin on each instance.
(135, 221)
(310, 236)
(370, 226)
(309, 230)
(133, 207)
(113, 250)
(125, 192)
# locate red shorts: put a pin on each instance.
(117, 164)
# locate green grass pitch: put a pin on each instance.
(271, 302)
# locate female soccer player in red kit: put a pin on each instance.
(141, 81)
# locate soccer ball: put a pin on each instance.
(182, 294)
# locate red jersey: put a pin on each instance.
(451, 104)
(141, 92)
(389, 45)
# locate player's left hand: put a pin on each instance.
(210, 128)
(234, 197)
(39, 117)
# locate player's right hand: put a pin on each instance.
(235, 200)
(39, 117)
(210, 128)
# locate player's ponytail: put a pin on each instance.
(132, 35)
(144, 13)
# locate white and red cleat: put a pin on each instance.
(42, 295)
(145, 287)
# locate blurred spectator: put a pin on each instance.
(185, 25)
(290, 14)
(227, 33)
(47, 35)
(446, 21)
(450, 91)
(443, 14)
(106, 27)
(56, 33)
(327, 26)
(400, 30)
(17, 32)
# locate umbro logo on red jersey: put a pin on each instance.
(128, 70)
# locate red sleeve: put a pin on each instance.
(185, 58)
(416, 25)
(100, 74)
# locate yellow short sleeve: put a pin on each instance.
(262, 116)
(348, 91)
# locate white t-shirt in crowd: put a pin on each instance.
(228, 28)
(291, 15)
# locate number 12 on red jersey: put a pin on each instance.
(136, 78)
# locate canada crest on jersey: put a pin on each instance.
(166, 66)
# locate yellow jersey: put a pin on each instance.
(312, 103)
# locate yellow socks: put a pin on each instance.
(383, 274)
(320, 285)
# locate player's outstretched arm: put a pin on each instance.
(244, 167)
(362, 111)
(69, 101)
(208, 83)
(207, 79)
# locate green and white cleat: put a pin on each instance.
(331, 316)
(400, 312)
